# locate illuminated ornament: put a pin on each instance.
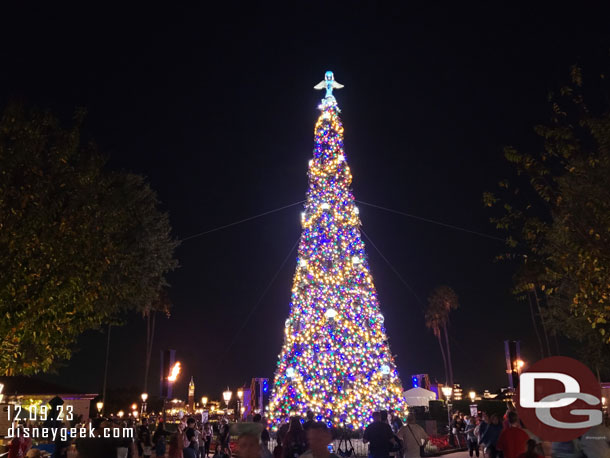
(325, 206)
(303, 262)
(341, 157)
(356, 210)
(330, 314)
(326, 115)
(385, 369)
(310, 162)
(380, 318)
(356, 260)
(290, 372)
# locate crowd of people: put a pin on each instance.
(492, 436)
(506, 437)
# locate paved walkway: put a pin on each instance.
(463, 454)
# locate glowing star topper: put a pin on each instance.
(329, 84)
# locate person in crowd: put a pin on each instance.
(159, 440)
(33, 453)
(19, 445)
(513, 440)
(139, 432)
(176, 444)
(319, 436)
(61, 446)
(396, 423)
(413, 437)
(101, 447)
(295, 442)
(483, 424)
(208, 433)
(471, 438)
(309, 415)
(145, 444)
(249, 442)
(490, 436)
(265, 437)
(380, 437)
(190, 441)
(453, 430)
(221, 452)
(531, 451)
(223, 433)
(278, 451)
(200, 439)
(596, 442)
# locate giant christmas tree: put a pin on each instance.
(335, 360)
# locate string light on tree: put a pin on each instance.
(335, 360)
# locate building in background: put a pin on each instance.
(31, 392)
(192, 395)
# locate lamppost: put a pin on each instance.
(447, 391)
(100, 406)
(120, 414)
(240, 395)
(144, 397)
(204, 401)
(226, 395)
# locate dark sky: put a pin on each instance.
(216, 108)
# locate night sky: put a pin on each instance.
(216, 108)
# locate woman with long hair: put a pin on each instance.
(295, 442)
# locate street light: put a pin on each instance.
(100, 406)
(447, 390)
(240, 395)
(472, 395)
(144, 397)
(134, 406)
(135, 414)
(120, 413)
(204, 401)
(226, 395)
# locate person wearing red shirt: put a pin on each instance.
(513, 440)
(531, 450)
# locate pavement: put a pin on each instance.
(462, 454)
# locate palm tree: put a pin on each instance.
(443, 300)
(433, 323)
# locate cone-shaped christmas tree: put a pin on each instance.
(335, 360)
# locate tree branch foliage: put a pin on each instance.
(79, 245)
(557, 214)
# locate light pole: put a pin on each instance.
(144, 397)
(447, 391)
(240, 395)
(100, 406)
(226, 395)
